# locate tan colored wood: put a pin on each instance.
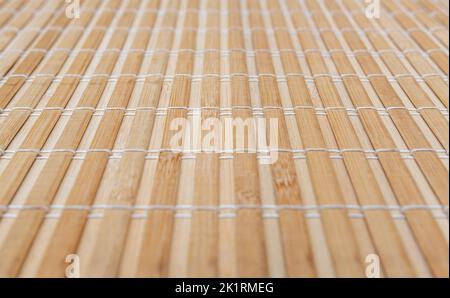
(34, 93)
(359, 167)
(406, 126)
(19, 21)
(436, 121)
(54, 171)
(45, 38)
(421, 38)
(94, 165)
(47, 120)
(8, 10)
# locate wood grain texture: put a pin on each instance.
(121, 144)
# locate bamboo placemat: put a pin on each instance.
(354, 174)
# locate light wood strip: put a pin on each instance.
(438, 31)
(346, 256)
(8, 9)
(296, 247)
(432, 7)
(36, 90)
(18, 21)
(130, 168)
(250, 245)
(203, 245)
(92, 162)
(29, 62)
(436, 121)
(155, 252)
(94, 166)
(420, 37)
(436, 83)
(428, 162)
(398, 173)
(27, 224)
(359, 170)
(19, 166)
(43, 39)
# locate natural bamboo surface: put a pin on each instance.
(90, 178)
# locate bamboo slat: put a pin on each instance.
(131, 138)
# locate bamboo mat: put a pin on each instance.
(355, 174)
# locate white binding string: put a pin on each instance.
(161, 111)
(225, 154)
(222, 77)
(227, 211)
(222, 52)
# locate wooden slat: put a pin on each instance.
(356, 130)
